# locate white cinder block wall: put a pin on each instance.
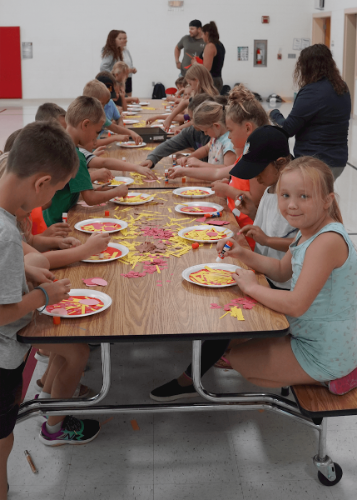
(68, 36)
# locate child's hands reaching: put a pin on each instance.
(246, 280)
(96, 243)
(149, 174)
(120, 191)
(221, 187)
(147, 163)
(167, 123)
(38, 274)
(173, 172)
(182, 161)
(194, 162)
(121, 138)
(60, 229)
(256, 233)
(234, 252)
(246, 205)
(68, 243)
(57, 291)
(101, 175)
(99, 151)
(136, 137)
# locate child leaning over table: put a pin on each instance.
(42, 160)
(85, 117)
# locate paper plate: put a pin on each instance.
(215, 206)
(129, 113)
(130, 122)
(91, 294)
(124, 251)
(87, 222)
(225, 267)
(144, 103)
(123, 180)
(134, 106)
(130, 144)
(179, 192)
(148, 198)
(182, 232)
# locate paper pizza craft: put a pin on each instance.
(205, 234)
(109, 253)
(100, 227)
(209, 276)
(200, 210)
(194, 192)
(75, 306)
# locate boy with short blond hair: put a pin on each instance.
(85, 117)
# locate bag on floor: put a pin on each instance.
(158, 91)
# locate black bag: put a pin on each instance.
(225, 90)
(158, 91)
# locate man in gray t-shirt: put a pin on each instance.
(191, 44)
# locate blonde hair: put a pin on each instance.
(322, 181)
(205, 81)
(243, 106)
(97, 89)
(85, 108)
(208, 113)
(120, 68)
(3, 161)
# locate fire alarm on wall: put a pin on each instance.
(265, 19)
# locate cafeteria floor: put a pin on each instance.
(224, 455)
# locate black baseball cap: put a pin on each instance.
(109, 84)
(196, 23)
(265, 145)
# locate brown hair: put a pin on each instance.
(43, 147)
(199, 99)
(322, 181)
(49, 111)
(10, 140)
(200, 73)
(85, 108)
(243, 106)
(106, 74)
(208, 113)
(180, 81)
(211, 29)
(110, 48)
(97, 89)
(316, 62)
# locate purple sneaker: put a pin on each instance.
(73, 431)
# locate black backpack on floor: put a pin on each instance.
(158, 91)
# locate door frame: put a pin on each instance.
(349, 11)
(315, 35)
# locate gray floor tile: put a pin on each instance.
(103, 491)
(262, 489)
(221, 490)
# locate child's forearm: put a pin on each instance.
(63, 258)
(9, 313)
(265, 265)
(200, 153)
(280, 244)
(106, 141)
(96, 197)
(119, 130)
(45, 243)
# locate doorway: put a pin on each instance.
(321, 29)
(349, 54)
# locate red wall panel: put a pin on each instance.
(10, 63)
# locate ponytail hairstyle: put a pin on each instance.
(212, 31)
(208, 113)
(200, 73)
(197, 100)
(243, 107)
(322, 181)
(110, 48)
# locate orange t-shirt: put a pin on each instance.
(38, 223)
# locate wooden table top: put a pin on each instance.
(142, 310)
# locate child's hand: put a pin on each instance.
(147, 163)
(134, 99)
(57, 291)
(120, 191)
(193, 162)
(256, 233)
(38, 274)
(149, 174)
(99, 151)
(246, 205)
(97, 243)
(60, 229)
(102, 175)
(234, 252)
(173, 172)
(176, 130)
(122, 138)
(68, 243)
(136, 138)
(150, 120)
(221, 188)
(167, 124)
(183, 161)
(246, 280)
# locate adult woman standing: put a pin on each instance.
(321, 111)
(122, 41)
(111, 52)
(213, 54)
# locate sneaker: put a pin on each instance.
(344, 384)
(73, 431)
(172, 391)
(41, 358)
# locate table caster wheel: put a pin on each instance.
(323, 479)
(285, 391)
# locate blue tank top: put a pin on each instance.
(324, 339)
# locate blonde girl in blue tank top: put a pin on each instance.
(321, 305)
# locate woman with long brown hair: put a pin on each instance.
(111, 52)
(320, 116)
(213, 54)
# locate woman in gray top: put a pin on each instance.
(111, 52)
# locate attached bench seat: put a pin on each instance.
(316, 401)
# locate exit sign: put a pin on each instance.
(265, 19)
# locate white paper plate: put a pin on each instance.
(134, 106)
(130, 144)
(124, 251)
(148, 198)
(226, 267)
(129, 113)
(144, 103)
(130, 122)
(182, 232)
(180, 190)
(92, 294)
(126, 180)
(79, 225)
(178, 208)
